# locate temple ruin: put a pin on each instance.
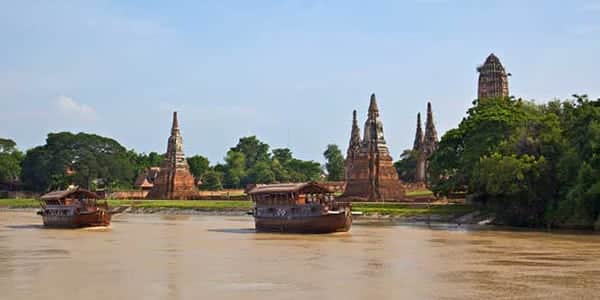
(493, 79)
(369, 167)
(424, 146)
(174, 181)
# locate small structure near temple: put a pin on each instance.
(145, 181)
(369, 167)
(174, 181)
(299, 208)
(424, 146)
(493, 79)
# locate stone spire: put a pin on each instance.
(175, 126)
(418, 143)
(493, 79)
(373, 135)
(174, 181)
(354, 145)
(431, 140)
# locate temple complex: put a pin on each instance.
(493, 79)
(425, 145)
(370, 172)
(174, 181)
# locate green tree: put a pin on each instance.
(253, 149)
(302, 170)
(488, 124)
(407, 165)
(10, 161)
(88, 156)
(334, 163)
(261, 173)
(235, 163)
(198, 165)
(283, 155)
(212, 180)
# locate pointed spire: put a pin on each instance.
(418, 144)
(430, 141)
(354, 145)
(373, 104)
(175, 126)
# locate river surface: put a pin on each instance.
(220, 257)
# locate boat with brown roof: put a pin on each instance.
(73, 208)
(299, 208)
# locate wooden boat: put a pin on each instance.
(299, 208)
(73, 208)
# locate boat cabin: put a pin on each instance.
(289, 194)
(68, 202)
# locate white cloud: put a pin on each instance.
(69, 107)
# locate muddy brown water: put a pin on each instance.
(220, 257)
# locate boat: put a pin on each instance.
(299, 208)
(73, 208)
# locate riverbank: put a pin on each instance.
(393, 211)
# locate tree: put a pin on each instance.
(10, 161)
(407, 166)
(212, 181)
(253, 150)
(283, 155)
(487, 125)
(302, 170)
(79, 159)
(198, 165)
(261, 173)
(235, 163)
(335, 163)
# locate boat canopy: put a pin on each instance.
(74, 193)
(297, 188)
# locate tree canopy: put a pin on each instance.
(533, 165)
(334, 163)
(79, 159)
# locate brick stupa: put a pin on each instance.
(370, 172)
(174, 181)
(493, 79)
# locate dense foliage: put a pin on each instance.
(335, 163)
(407, 166)
(533, 165)
(10, 161)
(77, 158)
(250, 162)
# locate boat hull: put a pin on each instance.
(97, 218)
(306, 224)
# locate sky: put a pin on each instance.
(289, 72)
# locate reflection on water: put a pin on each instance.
(213, 257)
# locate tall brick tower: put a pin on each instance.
(353, 147)
(174, 181)
(418, 149)
(430, 141)
(372, 176)
(493, 79)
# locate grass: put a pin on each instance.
(406, 210)
(419, 193)
(393, 209)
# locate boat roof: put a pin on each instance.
(55, 195)
(311, 187)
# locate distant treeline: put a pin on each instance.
(92, 161)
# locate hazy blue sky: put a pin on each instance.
(290, 72)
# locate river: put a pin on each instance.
(220, 257)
